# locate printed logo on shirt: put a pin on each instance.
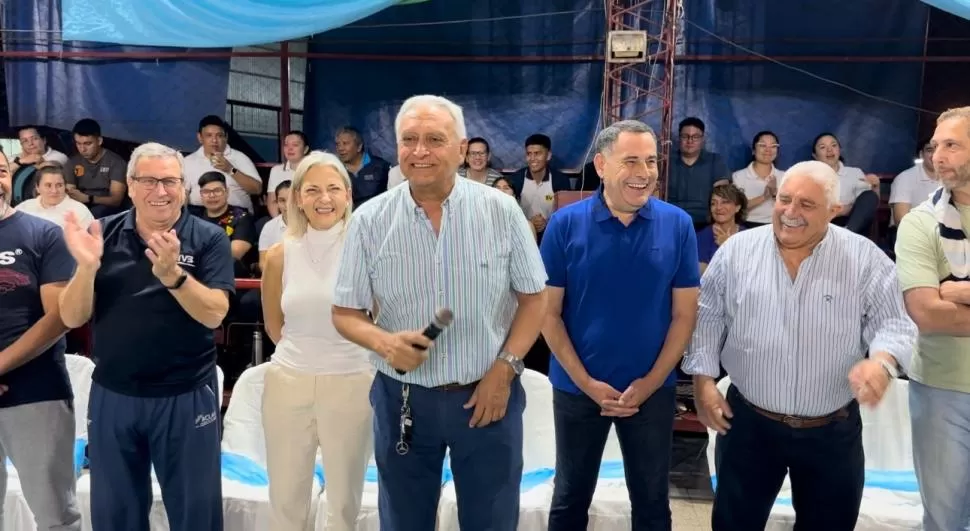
(10, 257)
(827, 298)
(105, 169)
(78, 170)
(186, 260)
(204, 420)
(549, 198)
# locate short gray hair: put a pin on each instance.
(154, 150)
(607, 137)
(432, 101)
(821, 173)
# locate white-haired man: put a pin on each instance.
(161, 279)
(932, 253)
(442, 241)
(819, 329)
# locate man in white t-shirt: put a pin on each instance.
(242, 179)
(274, 229)
(914, 185)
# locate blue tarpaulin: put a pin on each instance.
(960, 8)
(208, 23)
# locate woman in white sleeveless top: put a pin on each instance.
(316, 390)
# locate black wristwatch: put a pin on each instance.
(178, 283)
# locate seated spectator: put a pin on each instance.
(34, 151)
(759, 180)
(295, 147)
(694, 172)
(728, 209)
(242, 179)
(237, 223)
(272, 232)
(859, 192)
(537, 183)
(368, 173)
(915, 185)
(52, 202)
(98, 177)
(503, 185)
(477, 163)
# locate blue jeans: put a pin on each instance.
(826, 466)
(941, 451)
(486, 462)
(645, 442)
(179, 435)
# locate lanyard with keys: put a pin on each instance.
(404, 442)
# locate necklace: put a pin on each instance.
(316, 255)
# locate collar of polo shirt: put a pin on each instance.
(601, 212)
(457, 192)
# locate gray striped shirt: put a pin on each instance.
(789, 345)
(484, 254)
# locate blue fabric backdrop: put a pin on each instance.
(739, 99)
(960, 8)
(133, 100)
(503, 101)
(208, 23)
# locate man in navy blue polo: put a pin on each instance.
(156, 282)
(36, 400)
(623, 286)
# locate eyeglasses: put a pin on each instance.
(151, 183)
(213, 192)
(692, 138)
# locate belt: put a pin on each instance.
(455, 386)
(794, 421)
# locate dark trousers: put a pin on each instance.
(645, 440)
(826, 467)
(179, 435)
(486, 462)
(863, 213)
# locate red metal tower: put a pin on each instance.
(644, 90)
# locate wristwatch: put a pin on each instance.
(514, 361)
(178, 283)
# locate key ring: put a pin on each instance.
(401, 447)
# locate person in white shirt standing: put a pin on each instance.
(52, 202)
(914, 185)
(759, 180)
(242, 179)
(316, 391)
(295, 147)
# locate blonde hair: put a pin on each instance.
(296, 220)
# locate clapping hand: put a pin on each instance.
(163, 251)
(86, 246)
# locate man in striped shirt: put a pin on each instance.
(808, 321)
(443, 242)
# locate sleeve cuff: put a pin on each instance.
(700, 364)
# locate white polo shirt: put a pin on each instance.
(197, 164)
(852, 182)
(271, 234)
(537, 198)
(912, 186)
(753, 186)
(278, 174)
(53, 155)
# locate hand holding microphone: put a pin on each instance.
(407, 350)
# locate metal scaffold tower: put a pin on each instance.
(641, 45)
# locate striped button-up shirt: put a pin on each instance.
(788, 345)
(484, 254)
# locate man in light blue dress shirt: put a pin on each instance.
(443, 242)
(808, 321)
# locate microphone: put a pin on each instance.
(442, 319)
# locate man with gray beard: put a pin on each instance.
(933, 258)
(818, 331)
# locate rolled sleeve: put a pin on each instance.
(917, 259)
(704, 353)
(353, 287)
(886, 325)
(527, 273)
(553, 252)
(216, 264)
(688, 273)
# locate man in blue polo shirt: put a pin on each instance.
(623, 286)
(156, 282)
(36, 400)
